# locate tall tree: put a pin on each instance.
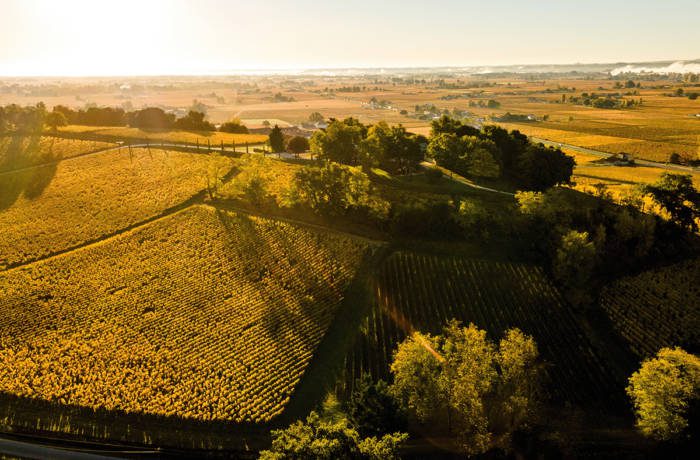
(665, 392)
(677, 195)
(276, 139)
(340, 142)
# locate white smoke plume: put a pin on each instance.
(676, 67)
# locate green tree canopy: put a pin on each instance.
(340, 142)
(372, 410)
(392, 148)
(663, 391)
(298, 144)
(276, 139)
(330, 440)
(484, 390)
(332, 189)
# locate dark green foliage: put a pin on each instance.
(393, 149)
(298, 144)
(193, 121)
(372, 410)
(233, 126)
(540, 167)
(93, 116)
(425, 220)
(151, 118)
(340, 142)
(677, 195)
(276, 140)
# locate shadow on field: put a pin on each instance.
(19, 176)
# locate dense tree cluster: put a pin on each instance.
(25, 120)
(494, 152)
(353, 143)
(482, 390)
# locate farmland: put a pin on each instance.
(657, 308)
(204, 315)
(136, 135)
(415, 291)
(22, 151)
(48, 209)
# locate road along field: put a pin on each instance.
(48, 209)
(18, 152)
(657, 308)
(422, 292)
(202, 315)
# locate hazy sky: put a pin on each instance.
(126, 37)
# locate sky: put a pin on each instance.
(183, 37)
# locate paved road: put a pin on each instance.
(22, 449)
(598, 153)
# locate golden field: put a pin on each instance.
(48, 209)
(204, 314)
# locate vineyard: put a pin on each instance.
(204, 315)
(422, 292)
(48, 209)
(21, 151)
(658, 308)
(119, 133)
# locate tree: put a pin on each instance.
(332, 189)
(55, 119)
(340, 142)
(676, 194)
(316, 117)
(540, 167)
(447, 149)
(151, 118)
(298, 144)
(372, 409)
(664, 392)
(484, 391)
(328, 440)
(392, 148)
(573, 266)
(233, 126)
(193, 121)
(276, 139)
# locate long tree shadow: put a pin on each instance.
(18, 173)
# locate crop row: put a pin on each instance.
(658, 308)
(22, 151)
(206, 315)
(423, 292)
(44, 210)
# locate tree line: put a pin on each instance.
(33, 119)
